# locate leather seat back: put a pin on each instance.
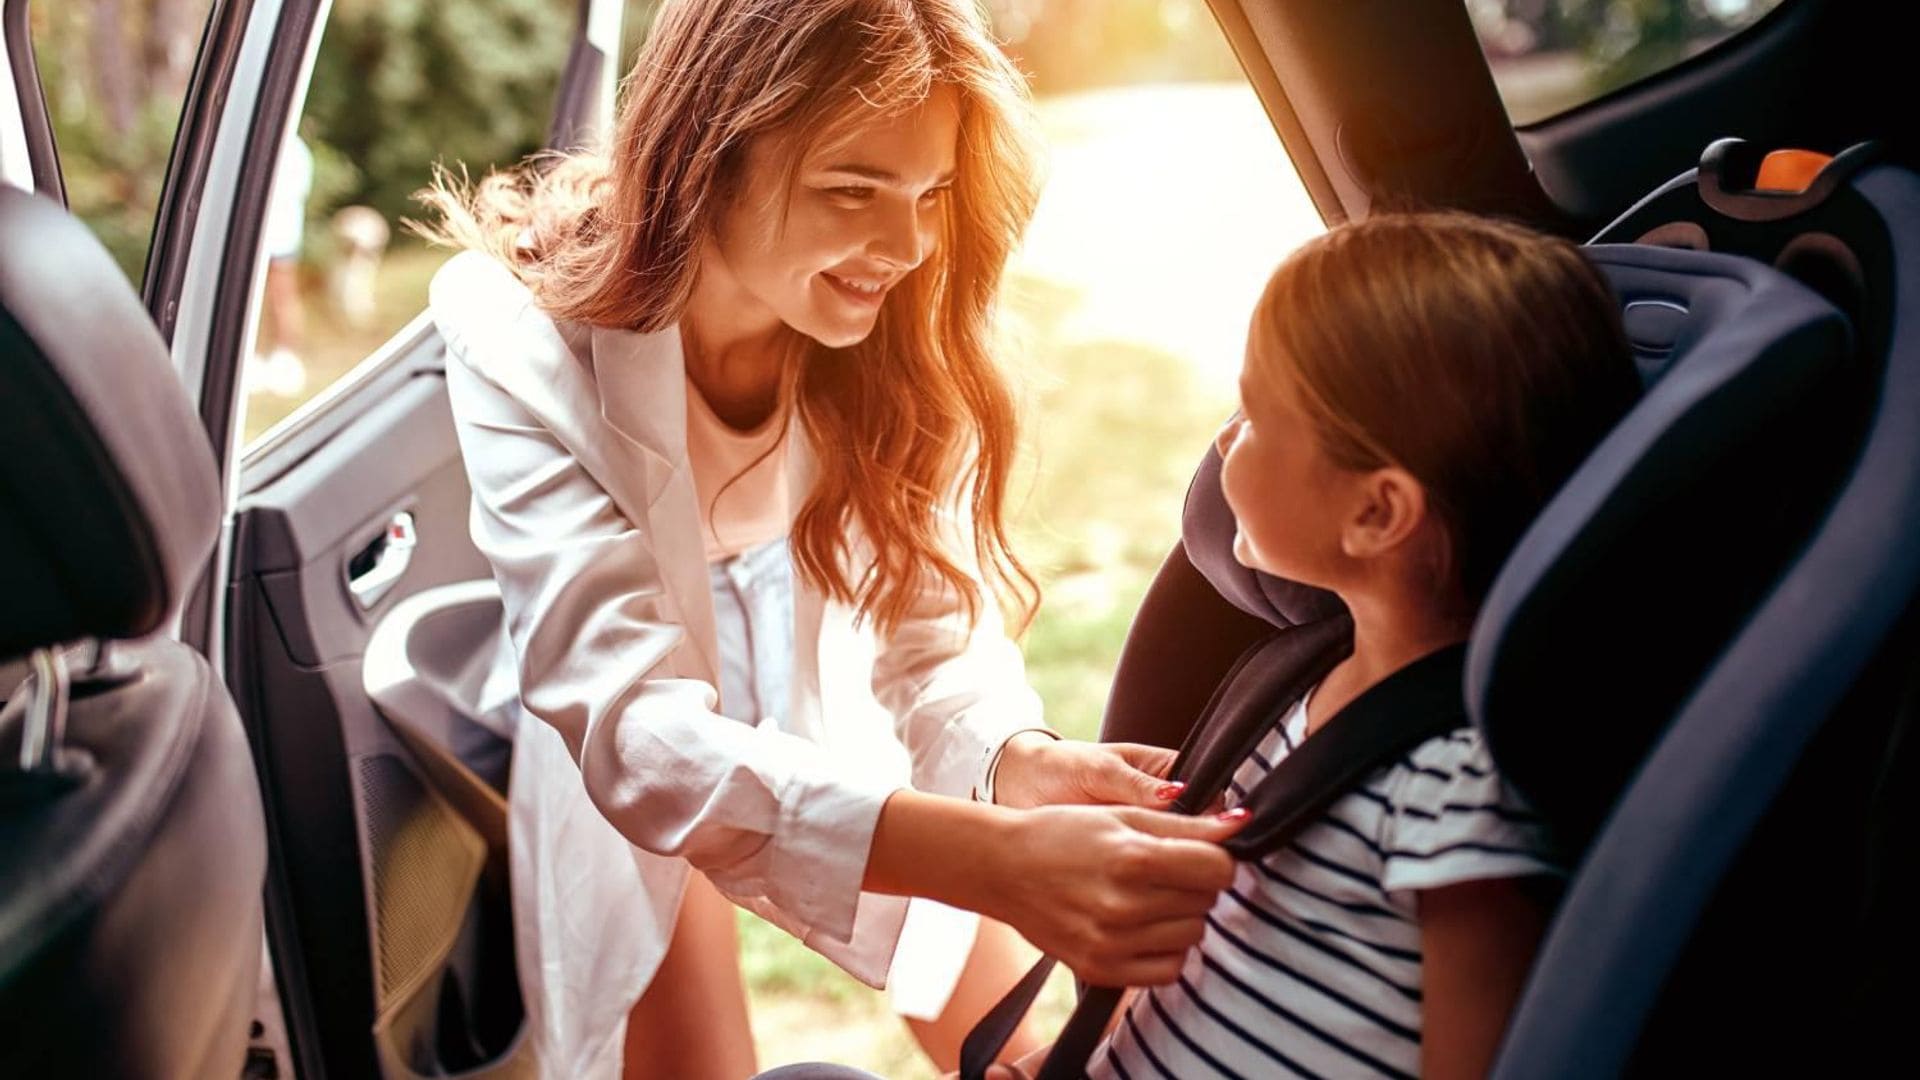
(132, 847)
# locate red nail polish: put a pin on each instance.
(1167, 792)
(1237, 814)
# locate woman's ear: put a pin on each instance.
(1389, 508)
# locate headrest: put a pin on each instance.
(1207, 533)
(109, 501)
(1653, 554)
(1804, 213)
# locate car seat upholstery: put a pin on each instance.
(132, 850)
(1639, 570)
(1747, 907)
(1200, 613)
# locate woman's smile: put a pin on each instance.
(860, 291)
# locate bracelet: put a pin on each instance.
(983, 791)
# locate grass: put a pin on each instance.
(1166, 208)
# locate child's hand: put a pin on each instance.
(1037, 770)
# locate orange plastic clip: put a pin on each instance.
(1789, 172)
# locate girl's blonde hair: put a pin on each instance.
(1485, 359)
(905, 420)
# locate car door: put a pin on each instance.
(386, 911)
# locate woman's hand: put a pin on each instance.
(1038, 770)
(1117, 893)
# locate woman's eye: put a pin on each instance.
(852, 193)
(934, 195)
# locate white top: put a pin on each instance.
(1310, 963)
(575, 443)
(740, 478)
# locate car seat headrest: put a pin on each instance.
(109, 502)
(1800, 211)
(1646, 562)
(1207, 532)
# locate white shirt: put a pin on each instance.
(584, 504)
(1310, 963)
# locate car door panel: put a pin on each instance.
(388, 894)
(393, 898)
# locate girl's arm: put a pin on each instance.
(1478, 939)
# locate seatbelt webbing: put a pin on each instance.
(1418, 702)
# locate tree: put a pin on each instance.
(401, 84)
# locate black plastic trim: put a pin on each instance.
(187, 166)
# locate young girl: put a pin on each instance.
(1415, 388)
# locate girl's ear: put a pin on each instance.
(1389, 508)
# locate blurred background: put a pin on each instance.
(1168, 201)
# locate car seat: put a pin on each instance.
(132, 846)
(1747, 904)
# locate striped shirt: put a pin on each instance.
(1310, 963)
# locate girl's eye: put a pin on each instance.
(935, 195)
(852, 193)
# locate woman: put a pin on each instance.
(757, 322)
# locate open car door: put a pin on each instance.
(386, 898)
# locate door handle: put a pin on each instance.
(374, 572)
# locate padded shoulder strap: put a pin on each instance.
(1416, 703)
(1258, 690)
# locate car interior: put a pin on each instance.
(245, 690)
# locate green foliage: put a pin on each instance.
(113, 184)
(1618, 41)
(113, 176)
(1097, 505)
(401, 84)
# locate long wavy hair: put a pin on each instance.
(914, 428)
(1485, 359)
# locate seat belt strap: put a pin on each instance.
(1416, 703)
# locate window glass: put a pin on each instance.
(1548, 56)
(396, 89)
(115, 73)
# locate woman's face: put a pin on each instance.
(1288, 498)
(863, 212)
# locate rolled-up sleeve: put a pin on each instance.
(603, 657)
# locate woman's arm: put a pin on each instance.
(1118, 894)
(1477, 940)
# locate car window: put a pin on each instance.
(1548, 56)
(396, 88)
(114, 76)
